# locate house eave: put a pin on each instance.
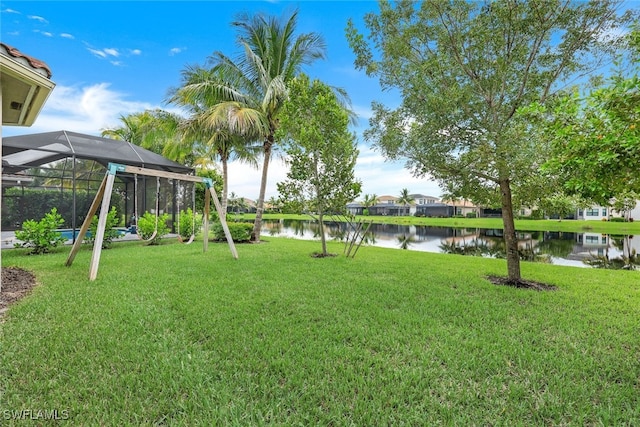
(25, 89)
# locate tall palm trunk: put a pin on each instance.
(225, 184)
(510, 239)
(257, 226)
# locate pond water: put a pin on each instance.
(561, 248)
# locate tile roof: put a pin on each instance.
(35, 63)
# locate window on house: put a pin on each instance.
(604, 211)
(592, 239)
(592, 212)
(580, 212)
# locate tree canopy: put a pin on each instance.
(464, 69)
(596, 137)
(321, 151)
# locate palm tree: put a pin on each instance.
(255, 85)
(158, 131)
(225, 130)
(140, 129)
(238, 204)
(405, 199)
(369, 200)
(131, 130)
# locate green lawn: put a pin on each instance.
(168, 335)
(521, 224)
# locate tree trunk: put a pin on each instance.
(510, 239)
(257, 226)
(322, 237)
(225, 185)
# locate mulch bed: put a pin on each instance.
(16, 283)
(522, 283)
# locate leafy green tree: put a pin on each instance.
(201, 188)
(320, 149)
(559, 204)
(596, 138)
(625, 202)
(464, 68)
(405, 199)
(274, 204)
(256, 83)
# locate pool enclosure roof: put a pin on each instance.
(26, 151)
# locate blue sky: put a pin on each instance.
(112, 58)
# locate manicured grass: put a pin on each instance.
(521, 224)
(170, 335)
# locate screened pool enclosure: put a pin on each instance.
(64, 170)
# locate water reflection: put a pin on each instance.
(575, 249)
(627, 260)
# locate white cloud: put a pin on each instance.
(67, 36)
(38, 18)
(45, 33)
(98, 53)
(176, 50)
(11, 11)
(112, 51)
(86, 109)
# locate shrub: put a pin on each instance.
(187, 224)
(41, 236)
(365, 212)
(471, 215)
(110, 232)
(240, 231)
(147, 226)
(617, 219)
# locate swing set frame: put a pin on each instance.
(103, 199)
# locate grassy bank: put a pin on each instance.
(523, 224)
(169, 335)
